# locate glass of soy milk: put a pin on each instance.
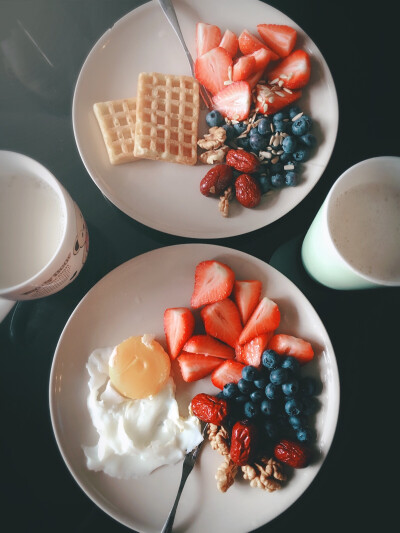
(354, 240)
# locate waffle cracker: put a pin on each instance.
(117, 119)
(167, 116)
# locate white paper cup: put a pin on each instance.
(342, 264)
(44, 240)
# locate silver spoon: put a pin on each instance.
(169, 12)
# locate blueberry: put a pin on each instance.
(304, 434)
(277, 180)
(230, 131)
(291, 179)
(302, 125)
(264, 126)
(253, 131)
(279, 376)
(250, 410)
(301, 155)
(279, 116)
(271, 429)
(214, 118)
(293, 111)
(241, 399)
(261, 383)
(309, 140)
(298, 421)
(249, 373)
(270, 359)
(268, 407)
(293, 406)
(289, 144)
(291, 363)
(245, 386)
(277, 168)
(258, 142)
(257, 396)
(280, 126)
(272, 391)
(240, 127)
(290, 387)
(220, 394)
(308, 386)
(265, 183)
(243, 142)
(310, 405)
(230, 390)
(285, 157)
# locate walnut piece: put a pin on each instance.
(223, 204)
(214, 156)
(214, 139)
(267, 476)
(226, 473)
(218, 437)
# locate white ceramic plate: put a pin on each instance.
(165, 196)
(131, 301)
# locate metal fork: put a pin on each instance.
(188, 464)
(169, 12)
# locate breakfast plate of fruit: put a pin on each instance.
(164, 159)
(180, 339)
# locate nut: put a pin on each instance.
(214, 156)
(214, 139)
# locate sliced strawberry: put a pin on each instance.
(207, 345)
(243, 67)
(265, 318)
(289, 345)
(255, 78)
(228, 372)
(230, 42)
(213, 281)
(234, 100)
(271, 98)
(211, 69)
(251, 352)
(222, 320)
(196, 366)
(178, 328)
(280, 38)
(262, 57)
(248, 43)
(208, 37)
(294, 70)
(246, 294)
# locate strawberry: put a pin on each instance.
(207, 345)
(248, 43)
(251, 352)
(246, 294)
(213, 281)
(222, 320)
(230, 42)
(243, 67)
(294, 70)
(228, 372)
(280, 38)
(289, 345)
(271, 98)
(234, 100)
(266, 317)
(211, 69)
(255, 78)
(195, 366)
(262, 57)
(178, 328)
(208, 37)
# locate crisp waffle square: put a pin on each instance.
(167, 117)
(117, 119)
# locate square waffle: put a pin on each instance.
(117, 120)
(167, 116)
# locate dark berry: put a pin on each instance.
(277, 180)
(261, 383)
(230, 390)
(291, 179)
(289, 144)
(304, 434)
(298, 421)
(240, 127)
(280, 126)
(279, 376)
(265, 183)
(250, 373)
(279, 116)
(308, 386)
(309, 140)
(230, 131)
(243, 142)
(257, 142)
(293, 111)
(250, 410)
(268, 407)
(290, 387)
(271, 429)
(301, 126)
(310, 405)
(214, 118)
(253, 131)
(270, 359)
(293, 406)
(257, 396)
(264, 126)
(302, 154)
(245, 386)
(291, 363)
(273, 392)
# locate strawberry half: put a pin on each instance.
(222, 320)
(243, 67)
(207, 345)
(251, 352)
(213, 281)
(208, 37)
(280, 38)
(255, 78)
(294, 70)
(234, 100)
(178, 328)
(246, 294)
(228, 372)
(262, 57)
(271, 98)
(265, 318)
(248, 43)
(195, 366)
(211, 69)
(289, 345)
(230, 42)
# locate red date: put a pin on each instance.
(210, 409)
(243, 442)
(292, 453)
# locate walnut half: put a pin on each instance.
(214, 139)
(214, 156)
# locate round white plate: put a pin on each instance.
(131, 300)
(166, 196)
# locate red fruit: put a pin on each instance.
(292, 453)
(211, 69)
(294, 70)
(222, 320)
(234, 100)
(255, 78)
(217, 179)
(288, 345)
(241, 160)
(228, 372)
(243, 67)
(280, 38)
(265, 318)
(262, 57)
(272, 98)
(246, 294)
(209, 409)
(247, 191)
(248, 43)
(178, 328)
(207, 345)
(243, 442)
(230, 42)
(213, 281)
(195, 366)
(251, 352)
(208, 37)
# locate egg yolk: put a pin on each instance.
(139, 367)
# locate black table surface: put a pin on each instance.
(352, 489)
